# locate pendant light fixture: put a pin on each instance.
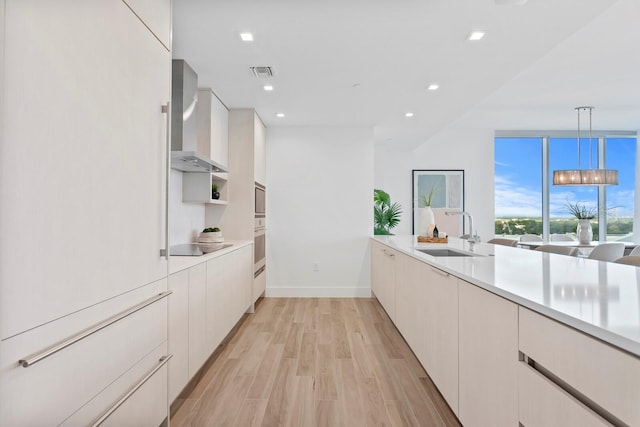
(585, 176)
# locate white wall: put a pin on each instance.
(319, 211)
(186, 220)
(471, 150)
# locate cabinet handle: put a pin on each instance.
(163, 360)
(440, 272)
(28, 361)
(167, 110)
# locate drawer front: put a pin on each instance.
(544, 404)
(32, 396)
(603, 374)
(142, 392)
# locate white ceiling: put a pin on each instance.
(535, 64)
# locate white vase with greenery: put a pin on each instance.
(584, 215)
(427, 218)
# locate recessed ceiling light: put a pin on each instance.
(433, 86)
(409, 114)
(280, 115)
(268, 88)
(476, 35)
(246, 37)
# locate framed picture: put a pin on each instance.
(442, 190)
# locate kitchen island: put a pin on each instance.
(511, 335)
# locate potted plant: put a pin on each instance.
(215, 195)
(210, 235)
(385, 215)
(584, 215)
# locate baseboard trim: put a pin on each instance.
(319, 292)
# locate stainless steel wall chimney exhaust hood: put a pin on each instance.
(185, 154)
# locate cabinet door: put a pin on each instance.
(488, 363)
(156, 14)
(544, 404)
(178, 333)
(383, 277)
(219, 131)
(242, 280)
(82, 170)
(260, 152)
(198, 349)
(407, 303)
(437, 322)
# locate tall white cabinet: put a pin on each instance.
(82, 190)
(247, 165)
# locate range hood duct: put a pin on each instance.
(185, 155)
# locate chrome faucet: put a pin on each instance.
(471, 237)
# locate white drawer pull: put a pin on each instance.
(163, 360)
(35, 358)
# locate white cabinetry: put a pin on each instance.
(178, 332)
(543, 404)
(213, 127)
(383, 280)
(246, 132)
(488, 358)
(83, 140)
(199, 350)
(68, 72)
(602, 374)
(260, 153)
(437, 328)
(426, 309)
(246, 167)
(229, 282)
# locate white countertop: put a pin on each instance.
(601, 299)
(178, 263)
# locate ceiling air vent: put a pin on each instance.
(262, 71)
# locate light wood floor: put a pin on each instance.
(315, 362)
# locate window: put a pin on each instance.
(518, 186)
(526, 201)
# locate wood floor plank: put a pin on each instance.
(340, 341)
(362, 360)
(280, 403)
(303, 412)
(325, 336)
(349, 395)
(254, 356)
(372, 402)
(251, 413)
(328, 414)
(294, 340)
(261, 387)
(307, 358)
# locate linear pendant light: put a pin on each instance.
(585, 176)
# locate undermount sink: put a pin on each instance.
(445, 252)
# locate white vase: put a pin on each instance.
(584, 232)
(426, 219)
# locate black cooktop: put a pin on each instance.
(196, 249)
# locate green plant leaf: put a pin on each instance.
(381, 198)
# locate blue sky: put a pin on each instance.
(518, 176)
